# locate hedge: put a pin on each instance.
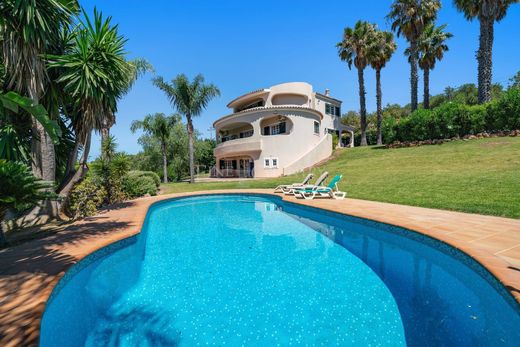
(456, 120)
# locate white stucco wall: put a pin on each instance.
(300, 148)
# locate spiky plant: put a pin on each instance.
(19, 189)
(95, 74)
(27, 27)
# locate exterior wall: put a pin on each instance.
(300, 147)
(329, 121)
(320, 152)
(299, 140)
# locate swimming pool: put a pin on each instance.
(254, 270)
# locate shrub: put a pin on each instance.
(139, 183)
(504, 113)
(388, 128)
(86, 197)
(154, 176)
(446, 121)
(335, 141)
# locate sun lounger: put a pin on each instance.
(330, 191)
(319, 182)
(305, 182)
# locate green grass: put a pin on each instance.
(477, 176)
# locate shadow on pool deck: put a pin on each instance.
(29, 271)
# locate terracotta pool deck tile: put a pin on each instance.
(29, 271)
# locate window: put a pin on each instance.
(271, 163)
(275, 129)
(227, 164)
(332, 110)
(248, 133)
(316, 128)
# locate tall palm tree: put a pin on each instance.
(353, 49)
(190, 99)
(409, 18)
(431, 47)
(27, 26)
(487, 12)
(159, 126)
(379, 53)
(94, 73)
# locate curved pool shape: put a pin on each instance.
(256, 271)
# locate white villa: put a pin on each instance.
(278, 131)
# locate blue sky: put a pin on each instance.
(245, 45)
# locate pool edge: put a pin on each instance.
(505, 273)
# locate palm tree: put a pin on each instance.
(409, 18)
(158, 125)
(26, 28)
(94, 73)
(190, 99)
(353, 50)
(431, 46)
(379, 54)
(487, 12)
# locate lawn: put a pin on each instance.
(477, 176)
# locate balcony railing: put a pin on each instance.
(231, 173)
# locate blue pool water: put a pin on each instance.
(256, 271)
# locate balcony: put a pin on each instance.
(238, 146)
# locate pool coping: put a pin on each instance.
(415, 219)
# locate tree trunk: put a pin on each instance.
(71, 165)
(79, 174)
(485, 59)
(3, 240)
(36, 149)
(105, 133)
(43, 161)
(426, 96)
(362, 107)
(190, 148)
(379, 107)
(414, 77)
(165, 163)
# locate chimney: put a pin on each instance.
(327, 92)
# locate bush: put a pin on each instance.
(140, 183)
(154, 176)
(446, 121)
(335, 141)
(86, 197)
(504, 113)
